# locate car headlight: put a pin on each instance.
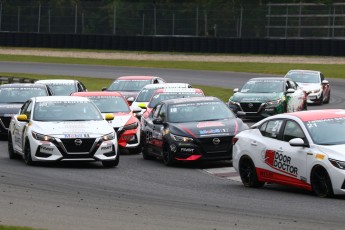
(42, 137)
(275, 102)
(232, 102)
(315, 91)
(130, 126)
(180, 138)
(337, 164)
(108, 137)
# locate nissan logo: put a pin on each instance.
(216, 141)
(78, 142)
(250, 105)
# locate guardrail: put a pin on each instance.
(7, 80)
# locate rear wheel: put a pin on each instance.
(27, 154)
(321, 183)
(328, 97)
(248, 173)
(112, 163)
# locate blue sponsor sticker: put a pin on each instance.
(77, 135)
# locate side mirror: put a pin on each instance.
(325, 82)
(157, 121)
(22, 117)
(109, 116)
(290, 90)
(298, 142)
(142, 105)
(136, 109)
(236, 90)
(104, 88)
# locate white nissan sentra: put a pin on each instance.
(62, 128)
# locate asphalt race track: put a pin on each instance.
(141, 194)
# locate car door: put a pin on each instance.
(295, 100)
(286, 163)
(21, 126)
(148, 128)
(157, 131)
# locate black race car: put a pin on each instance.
(13, 96)
(189, 129)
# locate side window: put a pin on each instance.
(292, 130)
(27, 109)
(23, 108)
(155, 81)
(273, 129)
(163, 112)
(322, 77)
(292, 85)
(156, 112)
(80, 87)
(263, 129)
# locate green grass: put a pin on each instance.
(330, 70)
(4, 227)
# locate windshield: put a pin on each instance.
(327, 132)
(145, 95)
(66, 111)
(62, 89)
(110, 104)
(199, 111)
(20, 95)
(263, 86)
(128, 85)
(166, 96)
(304, 77)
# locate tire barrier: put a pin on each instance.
(188, 44)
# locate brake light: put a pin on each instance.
(234, 140)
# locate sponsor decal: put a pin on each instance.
(8, 115)
(187, 150)
(280, 162)
(45, 149)
(106, 148)
(77, 135)
(209, 124)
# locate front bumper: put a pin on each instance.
(314, 98)
(257, 110)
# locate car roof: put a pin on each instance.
(57, 81)
(60, 98)
(97, 93)
(136, 78)
(178, 90)
(191, 100)
(166, 85)
(267, 78)
(21, 85)
(314, 115)
(304, 71)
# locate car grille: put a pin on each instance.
(250, 107)
(5, 121)
(211, 150)
(71, 147)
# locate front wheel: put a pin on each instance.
(328, 97)
(27, 154)
(321, 183)
(248, 173)
(11, 153)
(168, 158)
(112, 163)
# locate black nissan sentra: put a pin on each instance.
(190, 129)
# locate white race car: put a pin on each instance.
(304, 149)
(62, 128)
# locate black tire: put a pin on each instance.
(27, 154)
(112, 163)
(248, 173)
(305, 106)
(328, 98)
(168, 157)
(320, 100)
(11, 153)
(321, 182)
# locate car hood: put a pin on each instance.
(333, 151)
(255, 97)
(10, 108)
(70, 129)
(128, 94)
(309, 86)
(207, 128)
(120, 119)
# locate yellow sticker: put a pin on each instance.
(320, 156)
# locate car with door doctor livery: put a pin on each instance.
(62, 128)
(263, 97)
(190, 129)
(125, 122)
(303, 149)
(313, 83)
